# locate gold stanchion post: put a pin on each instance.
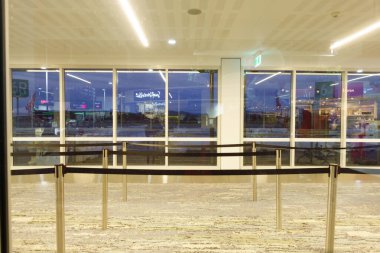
(278, 192)
(254, 177)
(60, 208)
(105, 190)
(331, 208)
(125, 177)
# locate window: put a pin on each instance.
(363, 98)
(141, 103)
(38, 159)
(35, 100)
(324, 156)
(193, 161)
(193, 103)
(268, 160)
(318, 102)
(363, 154)
(88, 103)
(267, 104)
(143, 159)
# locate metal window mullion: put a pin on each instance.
(343, 119)
(166, 116)
(62, 113)
(114, 113)
(293, 118)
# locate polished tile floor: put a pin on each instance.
(197, 217)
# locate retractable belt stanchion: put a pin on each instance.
(278, 192)
(60, 208)
(254, 177)
(125, 177)
(331, 208)
(105, 190)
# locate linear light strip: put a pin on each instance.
(134, 21)
(268, 78)
(355, 36)
(81, 79)
(358, 78)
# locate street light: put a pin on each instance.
(104, 99)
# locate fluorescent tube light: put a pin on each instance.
(40, 70)
(81, 79)
(268, 78)
(355, 36)
(134, 21)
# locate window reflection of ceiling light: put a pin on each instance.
(355, 36)
(268, 78)
(170, 95)
(81, 79)
(134, 21)
(40, 70)
(162, 76)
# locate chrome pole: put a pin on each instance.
(331, 208)
(60, 207)
(105, 190)
(278, 192)
(254, 177)
(125, 177)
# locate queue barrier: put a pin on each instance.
(60, 170)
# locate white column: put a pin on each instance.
(230, 110)
(293, 118)
(343, 120)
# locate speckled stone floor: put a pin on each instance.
(208, 217)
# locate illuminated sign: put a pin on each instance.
(149, 95)
(257, 61)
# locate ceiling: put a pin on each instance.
(290, 34)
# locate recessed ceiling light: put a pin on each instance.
(359, 71)
(172, 42)
(43, 67)
(194, 11)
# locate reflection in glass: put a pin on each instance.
(87, 159)
(143, 159)
(319, 155)
(318, 102)
(88, 97)
(193, 161)
(363, 154)
(141, 103)
(37, 159)
(35, 101)
(268, 160)
(267, 104)
(363, 97)
(193, 103)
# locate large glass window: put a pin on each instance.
(141, 103)
(363, 154)
(317, 153)
(363, 98)
(144, 159)
(318, 102)
(193, 103)
(88, 103)
(35, 100)
(193, 161)
(267, 104)
(268, 160)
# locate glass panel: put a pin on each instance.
(144, 159)
(193, 103)
(37, 159)
(87, 159)
(35, 102)
(267, 104)
(363, 97)
(88, 103)
(193, 161)
(267, 160)
(318, 102)
(363, 154)
(141, 103)
(317, 156)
